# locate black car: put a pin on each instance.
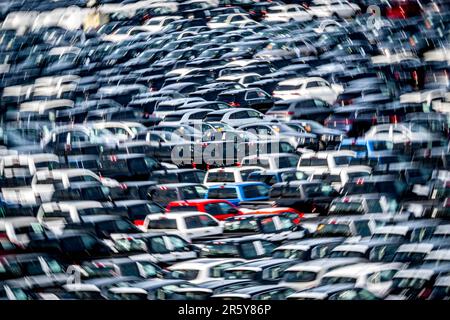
(247, 98)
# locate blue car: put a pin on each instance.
(238, 192)
(365, 148)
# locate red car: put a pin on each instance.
(402, 9)
(219, 209)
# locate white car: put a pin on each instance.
(122, 130)
(202, 270)
(55, 215)
(289, 12)
(43, 182)
(228, 175)
(235, 117)
(272, 161)
(312, 87)
(375, 277)
(227, 20)
(156, 24)
(333, 8)
(399, 133)
(308, 274)
(16, 229)
(183, 116)
(322, 161)
(338, 177)
(242, 78)
(191, 225)
(168, 106)
(17, 165)
(180, 72)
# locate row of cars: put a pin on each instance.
(231, 149)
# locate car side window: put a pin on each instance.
(251, 95)
(193, 222)
(268, 247)
(312, 84)
(157, 245)
(387, 275)
(177, 243)
(198, 115)
(253, 114)
(77, 136)
(374, 277)
(320, 103)
(238, 115)
(207, 221)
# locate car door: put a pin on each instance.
(238, 118)
(201, 225)
(160, 248)
(321, 90)
(259, 100)
(380, 282)
(219, 210)
(180, 248)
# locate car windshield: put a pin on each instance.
(289, 254)
(163, 224)
(218, 249)
(222, 193)
(242, 225)
(410, 283)
(240, 274)
(313, 162)
(333, 230)
(220, 176)
(347, 254)
(193, 192)
(335, 280)
(219, 19)
(185, 274)
(410, 256)
(95, 270)
(299, 276)
(255, 191)
(318, 190)
(346, 208)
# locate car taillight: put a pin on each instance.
(374, 120)
(138, 222)
(263, 12)
(425, 293)
(234, 104)
(348, 121)
(289, 113)
(194, 165)
(394, 119)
